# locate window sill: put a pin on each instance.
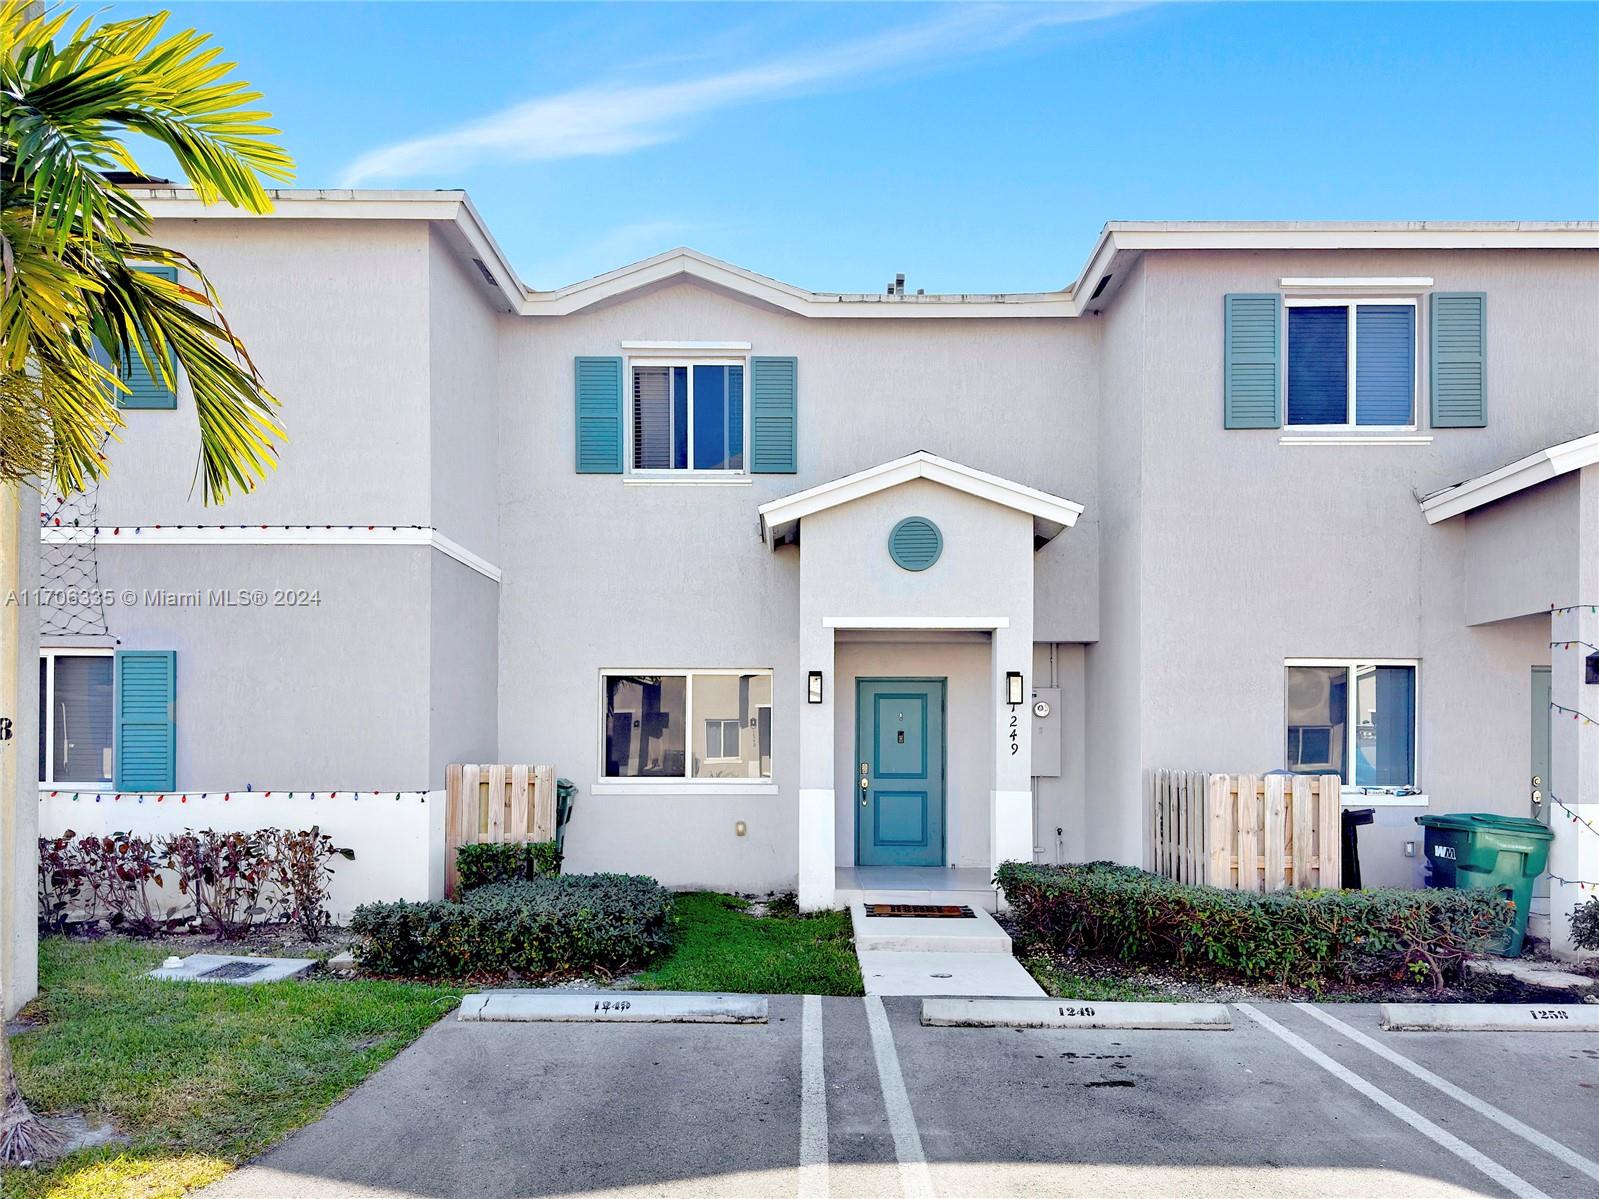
(1356, 797)
(689, 478)
(698, 788)
(1355, 439)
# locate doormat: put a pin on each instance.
(937, 911)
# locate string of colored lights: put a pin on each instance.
(1581, 884)
(1575, 715)
(1573, 642)
(183, 797)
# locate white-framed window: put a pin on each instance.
(77, 711)
(1355, 718)
(1352, 364)
(687, 415)
(693, 725)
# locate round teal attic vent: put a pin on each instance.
(915, 543)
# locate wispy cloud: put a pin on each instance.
(628, 243)
(619, 118)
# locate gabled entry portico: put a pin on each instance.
(916, 593)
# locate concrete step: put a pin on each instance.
(897, 972)
(986, 898)
(915, 934)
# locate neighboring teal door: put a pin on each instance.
(899, 772)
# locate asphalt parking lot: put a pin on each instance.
(855, 1097)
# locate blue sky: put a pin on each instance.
(975, 148)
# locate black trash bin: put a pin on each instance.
(1353, 819)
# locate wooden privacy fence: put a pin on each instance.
(495, 803)
(1245, 831)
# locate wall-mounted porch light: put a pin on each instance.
(1013, 687)
(813, 687)
(1593, 668)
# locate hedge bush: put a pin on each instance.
(503, 862)
(1585, 924)
(562, 924)
(1301, 937)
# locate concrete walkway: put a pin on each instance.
(858, 1097)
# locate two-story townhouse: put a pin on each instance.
(840, 593)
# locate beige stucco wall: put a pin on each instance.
(19, 702)
(1253, 552)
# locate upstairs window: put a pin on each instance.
(688, 416)
(1355, 719)
(1352, 364)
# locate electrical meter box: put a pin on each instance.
(1045, 713)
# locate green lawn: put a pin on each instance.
(721, 947)
(1063, 984)
(200, 1077)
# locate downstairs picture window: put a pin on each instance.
(690, 725)
(76, 714)
(1354, 719)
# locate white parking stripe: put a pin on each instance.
(914, 1179)
(813, 1105)
(1513, 1183)
(1549, 1145)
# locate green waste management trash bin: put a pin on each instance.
(1478, 851)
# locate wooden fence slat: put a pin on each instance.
(471, 804)
(497, 797)
(1163, 862)
(452, 820)
(1218, 857)
(1274, 839)
(1197, 785)
(1248, 833)
(1330, 817)
(544, 803)
(1302, 817)
(521, 826)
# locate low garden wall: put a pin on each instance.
(398, 843)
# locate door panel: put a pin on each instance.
(899, 782)
(1538, 781)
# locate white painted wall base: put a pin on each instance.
(815, 848)
(399, 846)
(1011, 826)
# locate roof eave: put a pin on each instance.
(1509, 480)
(1051, 514)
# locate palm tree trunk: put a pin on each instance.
(22, 1136)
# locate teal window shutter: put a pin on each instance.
(1459, 376)
(1252, 361)
(146, 720)
(773, 415)
(599, 416)
(146, 389)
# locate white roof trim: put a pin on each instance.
(684, 263)
(1507, 480)
(1051, 514)
(472, 240)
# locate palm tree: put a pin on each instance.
(76, 307)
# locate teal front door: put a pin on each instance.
(899, 772)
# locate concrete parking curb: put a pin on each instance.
(1490, 1017)
(612, 1007)
(1070, 1013)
